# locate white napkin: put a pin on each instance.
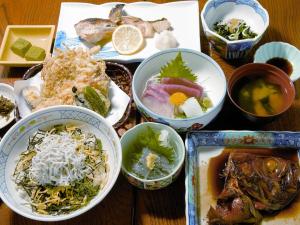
(119, 99)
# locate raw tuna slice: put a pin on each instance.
(189, 91)
(181, 81)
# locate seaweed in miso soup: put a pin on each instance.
(259, 96)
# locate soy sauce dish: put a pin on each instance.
(153, 155)
(260, 91)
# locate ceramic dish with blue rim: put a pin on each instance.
(249, 11)
(282, 55)
(82, 133)
(220, 166)
(206, 73)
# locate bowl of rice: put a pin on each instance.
(58, 163)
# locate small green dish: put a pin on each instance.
(126, 143)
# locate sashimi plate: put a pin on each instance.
(183, 16)
(203, 146)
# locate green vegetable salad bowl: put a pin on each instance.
(153, 155)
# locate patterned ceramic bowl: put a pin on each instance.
(210, 76)
(126, 142)
(16, 139)
(280, 50)
(248, 10)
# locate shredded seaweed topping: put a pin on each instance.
(62, 199)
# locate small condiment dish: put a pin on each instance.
(250, 11)
(271, 74)
(281, 50)
(7, 91)
(127, 141)
(37, 35)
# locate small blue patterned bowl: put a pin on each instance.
(248, 10)
(15, 142)
(127, 141)
(280, 50)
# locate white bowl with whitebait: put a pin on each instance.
(58, 163)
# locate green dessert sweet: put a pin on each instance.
(20, 47)
(35, 54)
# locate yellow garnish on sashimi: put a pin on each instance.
(178, 98)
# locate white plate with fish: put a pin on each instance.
(174, 24)
(7, 102)
(242, 177)
(72, 77)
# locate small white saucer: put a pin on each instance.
(282, 50)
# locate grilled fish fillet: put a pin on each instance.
(148, 28)
(93, 30)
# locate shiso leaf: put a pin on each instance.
(176, 68)
(150, 139)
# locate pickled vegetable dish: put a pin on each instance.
(6, 106)
(62, 169)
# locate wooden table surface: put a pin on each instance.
(126, 204)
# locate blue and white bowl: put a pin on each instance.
(15, 142)
(281, 50)
(250, 11)
(127, 142)
(210, 77)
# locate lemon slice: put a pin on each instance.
(127, 39)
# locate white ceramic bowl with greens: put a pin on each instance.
(16, 141)
(135, 156)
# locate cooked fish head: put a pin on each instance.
(115, 14)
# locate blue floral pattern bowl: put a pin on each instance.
(248, 10)
(155, 184)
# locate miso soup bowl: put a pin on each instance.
(272, 74)
(127, 141)
(210, 77)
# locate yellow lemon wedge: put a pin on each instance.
(127, 39)
(178, 98)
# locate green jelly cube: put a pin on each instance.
(35, 54)
(20, 47)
